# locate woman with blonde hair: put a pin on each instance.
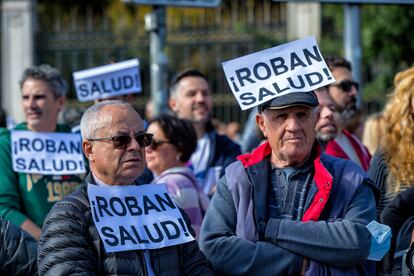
(374, 131)
(392, 166)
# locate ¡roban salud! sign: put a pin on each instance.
(296, 66)
(107, 81)
(136, 217)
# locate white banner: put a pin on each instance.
(108, 81)
(136, 217)
(47, 153)
(296, 66)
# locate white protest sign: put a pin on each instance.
(136, 217)
(108, 81)
(296, 66)
(47, 153)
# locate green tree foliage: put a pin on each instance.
(387, 43)
(388, 46)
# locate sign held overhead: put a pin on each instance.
(108, 81)
(296, 66)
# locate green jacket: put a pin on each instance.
(30, 196)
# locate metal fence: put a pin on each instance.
(200, 38)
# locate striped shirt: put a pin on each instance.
(290, 187)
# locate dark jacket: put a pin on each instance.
(238, 238)
(70, 244)
(225, 151)
(397, 214)
(18, 250)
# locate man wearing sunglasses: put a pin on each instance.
(114, 142)
(344, 93)
(190, 98)
(326, 128)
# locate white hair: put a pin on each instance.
(92, 121)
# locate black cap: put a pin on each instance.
(291, 99)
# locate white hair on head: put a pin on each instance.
(92, 121)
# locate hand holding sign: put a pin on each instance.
(108, 81)
(136, 217)
(297, 66)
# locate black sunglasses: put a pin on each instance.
(155, 144)
(346, 85)
(122, 141)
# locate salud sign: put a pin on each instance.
(380, 2)
(182, 3)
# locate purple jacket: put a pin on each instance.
(186, 193)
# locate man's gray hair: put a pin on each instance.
(92, 121)
(48, 74)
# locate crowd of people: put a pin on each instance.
(298, 203)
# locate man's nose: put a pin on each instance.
(31, 103)
(293, 124)
(134, 145)
(200, 97)
(327, 112)
(353, 91)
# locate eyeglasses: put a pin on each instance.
(346, 85)
(122, 141)
(155, 144)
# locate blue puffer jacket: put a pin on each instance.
(238, 238)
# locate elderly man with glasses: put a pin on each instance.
(114, 142)
(344, 93)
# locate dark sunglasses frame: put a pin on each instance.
(346, 85)
(155, 144)
(122, 141)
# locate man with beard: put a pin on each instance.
(326, 128)
(190, 98)
(343, 92)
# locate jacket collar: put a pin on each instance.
(323, 180)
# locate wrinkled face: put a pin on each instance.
(344, 100)
(115, 166)
(326, 127)
(192, 100)
(40, 106)
(163, 156)
(290, 132)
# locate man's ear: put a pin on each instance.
(172, 104)
(87, 148)
(61, 100)
(260, 123)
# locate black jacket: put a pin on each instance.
(70, 244)
(224, 151)
(17, 250)
(398, 215)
